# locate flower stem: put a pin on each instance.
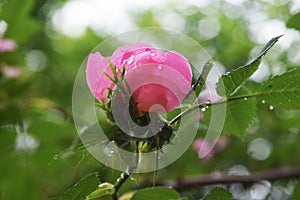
(120, 181)
(223, 101)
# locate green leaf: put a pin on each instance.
(293, 22)
(239, 113)
(218, 193)
(229, 83)
(157, 193)
(103, 190)
(81, 189)
(282, 90)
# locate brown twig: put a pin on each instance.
(215, 178)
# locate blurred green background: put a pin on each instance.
(53, 38)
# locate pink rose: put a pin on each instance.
(155, 77)
(7, 45)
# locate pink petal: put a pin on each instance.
(94, 68)
(172, 101)
(149, 95)
(179, 63)
(153, 65)
(97, 81)
(123, 53)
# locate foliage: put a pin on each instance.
(158, 193)
(35, 104)
(293, 22)
(83, 188)
(218, 193)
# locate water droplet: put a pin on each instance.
(108, 150)
(159, 67)
(245, 98)
(263, 101)
(130, 59)
(271, 107)
(203, 109)
(152, 54)
(55, 157)
(208, 101)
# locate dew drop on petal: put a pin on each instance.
(130, 59)
(152, 54)
(271, 107)
(159, 67)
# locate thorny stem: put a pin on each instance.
(124, 176)
(120, 181)
(224, 101)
